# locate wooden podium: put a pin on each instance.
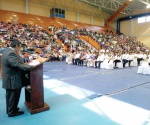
(34, 92)
(0, 66)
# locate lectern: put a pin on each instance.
(0, 66)
(34, 92)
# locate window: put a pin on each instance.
(141, 20)
(148, 19)
(56, 12)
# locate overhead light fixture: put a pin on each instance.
(148, 6)
(147, 3)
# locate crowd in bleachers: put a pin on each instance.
(115, 50)
(35, 40)
(70, 37)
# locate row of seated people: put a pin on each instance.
(53, 55)
(107, 60)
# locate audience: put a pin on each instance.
(39, 42)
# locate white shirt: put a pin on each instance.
(100, 58)
(88, 56)
(131, 57)
(125, 56)
(117, 57)
(77, 55)
(139, 55)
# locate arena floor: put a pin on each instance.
(78, 95)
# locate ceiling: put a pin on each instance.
(111, 6)
(104, 8)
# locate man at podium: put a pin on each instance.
(12, 75)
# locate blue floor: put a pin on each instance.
(66, 91)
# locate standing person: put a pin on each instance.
(12, 74)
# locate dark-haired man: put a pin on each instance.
(12, 74)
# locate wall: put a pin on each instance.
(71, 16)
(13, 5)
(142, 32)
(139, 30)
(125, 27)
(40, 10)
(98, 21)
(84, 18)
(141, 11)
(35, 8)
(113, 24)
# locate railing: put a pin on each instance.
(87, 39)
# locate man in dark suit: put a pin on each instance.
(12, 76)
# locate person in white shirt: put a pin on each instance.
(85, 57)
(139, 58)
(91, 60)
(105, 61)
(144, 56)
(77, 57)
(88, 57)
(73, 57)
(99, 60)
(117, 58)
(82, 58)
(125, 58)
(69, 58)
(131, 57)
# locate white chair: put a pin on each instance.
(144, 68)
(134, 62)
(109, 65)
(144, 64)
(85, 62)
(104, 63)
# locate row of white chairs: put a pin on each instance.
(106, 64)
(109, 64)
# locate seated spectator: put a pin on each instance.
(117, 58)
(99, 60)
(125, 58)
(26, 57)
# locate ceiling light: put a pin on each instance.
(148, 6)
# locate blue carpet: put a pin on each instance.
(102, 81)
(107, 82)
(68, 110)
(138, 96)
(65, 109)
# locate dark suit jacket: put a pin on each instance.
(12, 69)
